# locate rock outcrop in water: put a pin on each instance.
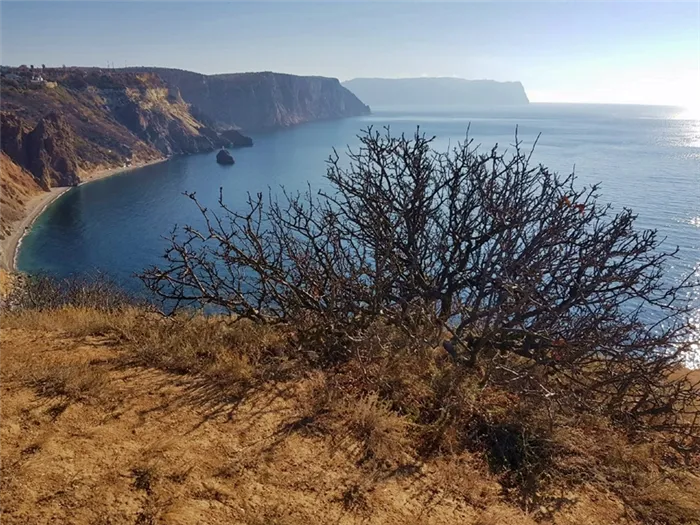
(224, 157)
(237, 139)
(415, 92)
(263, 101)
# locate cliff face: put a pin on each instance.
(17, 186)
(263, 101)
(160, 117)
(46, 152)
(451, 92)
(50, 152)
(92, 119)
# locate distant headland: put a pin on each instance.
(261, 101)
(436, 91)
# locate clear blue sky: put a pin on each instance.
(613, 51)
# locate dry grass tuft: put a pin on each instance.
(382, 433)
(7, 283)
(354, 498)
(224, 351)
(75, 382)
(144, 478)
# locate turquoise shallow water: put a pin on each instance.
(647, 158)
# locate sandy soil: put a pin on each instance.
(89, 439)
(9, 246)
(134, 445)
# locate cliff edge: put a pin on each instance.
(262, 101)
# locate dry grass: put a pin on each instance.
(381, 432)
(79, 322)
(4, 283)
(74, 382)
(134, 418)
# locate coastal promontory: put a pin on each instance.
(63, 125)
(263, 101)
(439, 91)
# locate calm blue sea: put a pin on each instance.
(647, 158)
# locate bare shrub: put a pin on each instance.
(541, 289)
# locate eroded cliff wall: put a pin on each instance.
(263, 101)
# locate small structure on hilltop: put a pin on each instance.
(224, 157)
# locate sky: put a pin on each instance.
(612, 51)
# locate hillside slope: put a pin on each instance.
(263, 101)
(87, 120)
(123, 419)
(447, 92)
(85, 440)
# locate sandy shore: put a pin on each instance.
(9, 246)
(102, 174)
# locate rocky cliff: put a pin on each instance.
(17, 187)
(93, 119)
(85, 119)
(450, 92)
(52, 133)
(262, 101)
(50, 152)
(47, 151)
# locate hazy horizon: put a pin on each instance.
(614, 52)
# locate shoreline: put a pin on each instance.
(10, 245)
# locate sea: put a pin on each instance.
(646, 158)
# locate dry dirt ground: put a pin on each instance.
(89, 439)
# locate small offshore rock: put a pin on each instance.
(224, 157)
